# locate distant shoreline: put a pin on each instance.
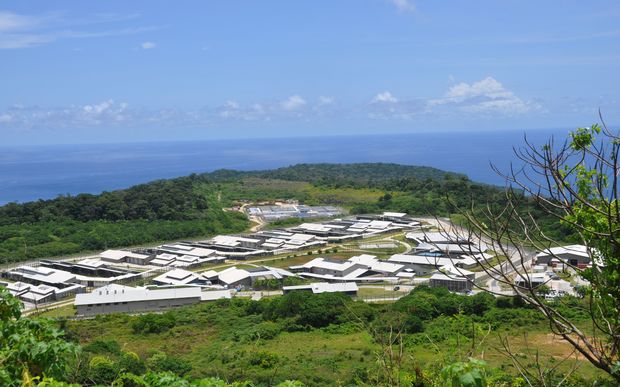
(46, 171)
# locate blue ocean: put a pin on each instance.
(44, 172)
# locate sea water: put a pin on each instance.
(44, 172)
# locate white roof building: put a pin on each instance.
(580, 250)
(180, 249)
(91, 262)
(468, 261)
(41, 274)
(213, 295)
(533, 279)
(359, 267)
(395, 214)
(322, 263)
(575, 255)
(377, 265)
(325, 287)
(120, 255)
(232, 241)
(422, 260)
(115, 293)
(453, 271)
(233, 276)
(179, 277)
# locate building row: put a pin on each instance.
(54, 280)
(191, 254)
(284, 211)
(124, 299)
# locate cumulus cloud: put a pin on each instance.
(232, 110)
(385, 97)
(148, 45)
(484, 96)
(403, 5)
(102, 114)
(293, 102)
(291, 107)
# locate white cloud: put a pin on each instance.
(8, 41)
(403, 5)
(324, 100)
(105, 113)
(98, 108)
(484, 96)
(23, 31)
(231, 104)
(148, 45)
(486, 87)
(386, 97)
(11, 22)
(293, 102)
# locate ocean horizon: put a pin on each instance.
(43, 172)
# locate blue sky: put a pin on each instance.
(113, 71)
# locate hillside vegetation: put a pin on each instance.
(192, 206)
(327, 340)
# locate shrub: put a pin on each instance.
(160, 362)
(153, 323)
(419, 303)
(503, 302)
(465, 374)
(264, 359)
(266, 331)
(103, 347)
(307, 309)
(131, 362)
(481, 302)
(102, 370)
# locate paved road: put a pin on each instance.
(408, 247)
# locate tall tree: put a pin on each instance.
(576, 182)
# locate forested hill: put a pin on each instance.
(178, 199)
(359, 174)
(192, 206)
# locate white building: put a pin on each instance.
(38, 294)
(532, 279)
(213, 295)
(573, 255)
(120, 256)
(421, 264)
(124, 299)
(41, 276)
(233, 277)
(181, 277)
(454, 283)
(186, 250)
(363, 267)
(349, 288)
(235, 241)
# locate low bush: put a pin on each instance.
(153, 323)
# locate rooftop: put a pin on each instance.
(119, 293)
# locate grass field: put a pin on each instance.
(63, 311)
